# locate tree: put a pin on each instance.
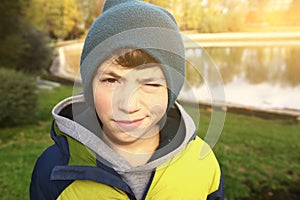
(90, 10)
(60, 19)
(12, 43)
(223, 16)
(235, 14)
(63, 18)
(35, 14)
(162, 3)
(37, 55)
(293, 14)
(193, 14)
(207, 16)
(22, 46)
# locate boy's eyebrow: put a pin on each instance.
(110, 73)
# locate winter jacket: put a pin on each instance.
(79, 165)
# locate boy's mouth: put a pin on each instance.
(129, 124)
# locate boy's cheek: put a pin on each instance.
(158, 109)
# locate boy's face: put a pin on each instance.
(130, 101)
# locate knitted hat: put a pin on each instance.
(136, 25)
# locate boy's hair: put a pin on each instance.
(134, 58)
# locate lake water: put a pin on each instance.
(262, 77)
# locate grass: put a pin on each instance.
(21, 146)
(259, 157)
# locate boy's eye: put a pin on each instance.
(110, 81)
(153, 84)
(152, 87)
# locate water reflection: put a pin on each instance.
(260, 77)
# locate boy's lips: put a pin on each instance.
(129, 124)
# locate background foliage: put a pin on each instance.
(23, 47)
(63, 19)
(69, 19)
(18, 97)
(211, 16)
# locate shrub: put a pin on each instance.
(27, 51)
(18, 98)
(36, 56)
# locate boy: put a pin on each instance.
(126, 137)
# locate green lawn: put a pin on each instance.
(20, 146)
(259, 157)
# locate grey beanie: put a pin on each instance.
(138, 25)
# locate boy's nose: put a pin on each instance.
(128, 100)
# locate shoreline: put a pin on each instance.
(265, 113)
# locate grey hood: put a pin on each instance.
(74, 118)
